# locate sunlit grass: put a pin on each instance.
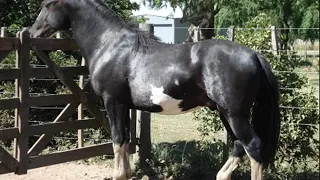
(173, 128)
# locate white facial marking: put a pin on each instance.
(40, 14)
(169, 105)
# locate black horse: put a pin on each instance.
(132, 70)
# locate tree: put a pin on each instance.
(201, 13)
(221, 13)
(23, 13)
(284, 14)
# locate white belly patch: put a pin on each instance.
(169, 105)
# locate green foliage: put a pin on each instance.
(140, 19)
(201, 13)
(18, 14)
(310, 20)
(244, 10)
(21, 13)
(298, 144)
(184, 160)
(284, 14)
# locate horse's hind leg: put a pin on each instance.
(249, 140)
(238, 152)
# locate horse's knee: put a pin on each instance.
(238, 150)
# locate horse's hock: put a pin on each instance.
(23, 158)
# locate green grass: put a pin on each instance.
(173, 128)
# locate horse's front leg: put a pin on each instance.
(120, 125)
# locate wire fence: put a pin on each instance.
(302, 48)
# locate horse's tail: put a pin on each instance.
(266, 115)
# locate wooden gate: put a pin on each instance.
(25, 158)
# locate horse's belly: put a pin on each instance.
(159, 102)
(169, 105)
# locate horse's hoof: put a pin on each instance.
(129, 173)
(119, 176)
(223, 177)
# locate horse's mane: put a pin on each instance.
(143, 40)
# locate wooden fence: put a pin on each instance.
(25, 158)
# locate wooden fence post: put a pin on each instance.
(143, 123)
(231, 33)
(3, 54)
(58, 35)
(80, 107)
(274, 40)
(22, 121)
(225, 155)
(16, 111)
(3, 32)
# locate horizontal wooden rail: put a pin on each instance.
(54, 44)
(8, 133)
(52, 100)
(71, 155)
(9, 74)
(9, 44)
(8, 104)
(51, 128)
(46, 72)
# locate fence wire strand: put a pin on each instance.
(299, 51)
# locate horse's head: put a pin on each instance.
(53, 17)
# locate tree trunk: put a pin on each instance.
(203, 30)
(193, 34)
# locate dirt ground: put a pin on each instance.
(66, 171)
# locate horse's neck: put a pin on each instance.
(94, 30)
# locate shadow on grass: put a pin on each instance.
(194, 160)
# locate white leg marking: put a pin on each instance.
(127, 156)
(227, 169)
(121, 163)
(256, 169)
